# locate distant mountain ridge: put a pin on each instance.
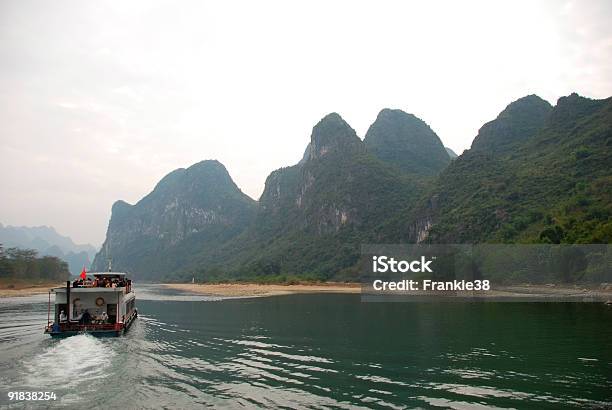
(47, 242)
(535, 174)
(452, 154)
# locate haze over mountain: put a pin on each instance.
(47, 242)
(534, 174)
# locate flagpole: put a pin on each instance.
(49, 309)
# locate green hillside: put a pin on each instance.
(313, 216)
(535, 174)
(549, 183)
(190, 210)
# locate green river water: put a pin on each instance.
(315, 351)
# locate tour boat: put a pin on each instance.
(100, 304)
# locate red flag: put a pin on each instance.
(83, 273)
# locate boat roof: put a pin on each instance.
(62, 289)
(107, 273)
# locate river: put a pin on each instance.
(315, 351)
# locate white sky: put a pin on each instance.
(99, 100)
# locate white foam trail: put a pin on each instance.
(73, 363)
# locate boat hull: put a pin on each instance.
(115, 332)
(96, 333)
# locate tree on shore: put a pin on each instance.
(25, 264)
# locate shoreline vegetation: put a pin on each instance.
(603, 291)
(23, 272)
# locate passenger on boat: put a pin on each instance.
(77, 317)
(63, 317)
(103, 317)
(86, 318)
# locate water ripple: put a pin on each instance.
(311, 351)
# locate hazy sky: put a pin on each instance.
(99, 100)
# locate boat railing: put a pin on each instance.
(97, 283)
(76, 327)
(90, 327)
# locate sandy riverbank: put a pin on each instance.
(603, 291)
(25, 289)
(254, 289)
(529, 292)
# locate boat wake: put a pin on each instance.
(76, 363)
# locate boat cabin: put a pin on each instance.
(103, 302)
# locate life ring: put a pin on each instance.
(100, 301)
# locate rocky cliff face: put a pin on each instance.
(192, 204)
(337, 195)
(407, 142)
(321, 209)
(333, 136)
(534, 174)
(291, 195)
(331, 186)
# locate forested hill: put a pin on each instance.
(312, 216)
(534, 174)
(406, 141)
(190, 211)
